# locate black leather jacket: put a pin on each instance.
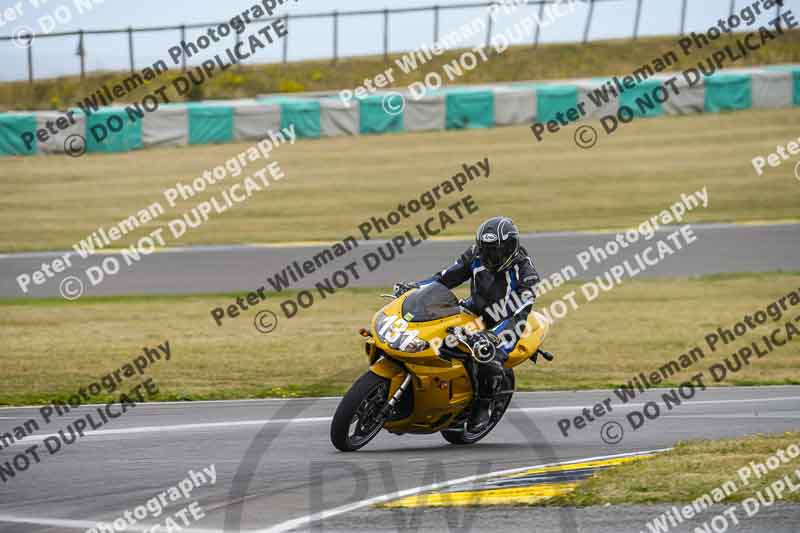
(498, 297)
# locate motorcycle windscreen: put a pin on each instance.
(431, 302)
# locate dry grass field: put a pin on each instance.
(52, 347)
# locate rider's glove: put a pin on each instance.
(402, 288)
(484, 345)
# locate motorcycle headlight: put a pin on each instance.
(394, 331)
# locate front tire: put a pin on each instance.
(357, 420)
(462, 436)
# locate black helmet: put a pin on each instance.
(498, 242)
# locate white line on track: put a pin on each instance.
(321, 419)
(84, 524)
(189, 403)
(739, 416)
(179, 427)
(688, 403)
(517, 394)
(293, 524)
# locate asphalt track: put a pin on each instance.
(276, 467)
(720, 248)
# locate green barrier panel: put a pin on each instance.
(641, 99)
(469, 109)
(210, 124)
(728, 92)
(374, 117)
(552, 99)
(795, 70)
(796, 74)
(111, 130)
(11, 128)
(304, 114)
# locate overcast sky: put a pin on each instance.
(307, 38)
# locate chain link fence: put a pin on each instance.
(27, 41)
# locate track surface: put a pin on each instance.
(720, 248)
(296, 472)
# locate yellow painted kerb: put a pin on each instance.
(516, 495)
(474, 495)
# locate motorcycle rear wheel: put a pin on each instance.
(462, 436)
(356, 421)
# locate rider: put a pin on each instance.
(496, 266)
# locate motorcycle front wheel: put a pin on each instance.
(357, 419)
(462, 436)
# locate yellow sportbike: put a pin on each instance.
(423, 371)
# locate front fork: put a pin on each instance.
(388, 409)
(391, 371)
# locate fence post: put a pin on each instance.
(538, 23)
(183, 40)
(589, 17)
(30, 61)
(436, 23)
(489, 29)
(386, 35)
(286, 41)
(683, 18)
(130, 47)
(238, 39)
(335, 36)
(82, 54)
(733, 7)
(638, 19)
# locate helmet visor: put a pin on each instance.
(494, 255)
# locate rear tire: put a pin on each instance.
(355, 422)
(462, 436)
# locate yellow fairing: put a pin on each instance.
(531, 339)
(441, 389)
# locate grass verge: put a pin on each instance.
(335, 184)
(689, 471)
(53, 347)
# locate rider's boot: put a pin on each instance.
(480, 416)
